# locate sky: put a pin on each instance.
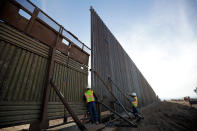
(160, 36)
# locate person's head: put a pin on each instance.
(133, 94)
(88, 87)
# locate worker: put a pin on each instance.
(134, 102)
(90, 100)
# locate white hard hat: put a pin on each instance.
(133, 94)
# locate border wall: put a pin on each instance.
(115, 67)
(32, 51)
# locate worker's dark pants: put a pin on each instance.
(93, 112)
(135, 111)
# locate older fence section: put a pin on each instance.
(115, 67)
(34, 49)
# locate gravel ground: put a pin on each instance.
(167, 116)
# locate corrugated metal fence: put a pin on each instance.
(111, 61)
(25, 58)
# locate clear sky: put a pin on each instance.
(160, 36)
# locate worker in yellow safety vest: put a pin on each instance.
(90, 100)
(134, 103)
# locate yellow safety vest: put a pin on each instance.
(89, 96)
(135, 102)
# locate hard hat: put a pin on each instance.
(88, 87)
(133, 94)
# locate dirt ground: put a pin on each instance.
(26, 126)
(167, 116)
(162, 116)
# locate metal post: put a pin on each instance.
(31, 21)
(66, 105)
(2, 4)
(99, 112)
(44, 122)
(129, 122)
(112, 93)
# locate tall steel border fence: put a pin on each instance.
(34, 50)
(115, 67)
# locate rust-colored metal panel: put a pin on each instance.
(78, 55)
(109, 59)
(10, 14)
(62, 47)
(26, 64)
(43, 33)
(43, 28)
